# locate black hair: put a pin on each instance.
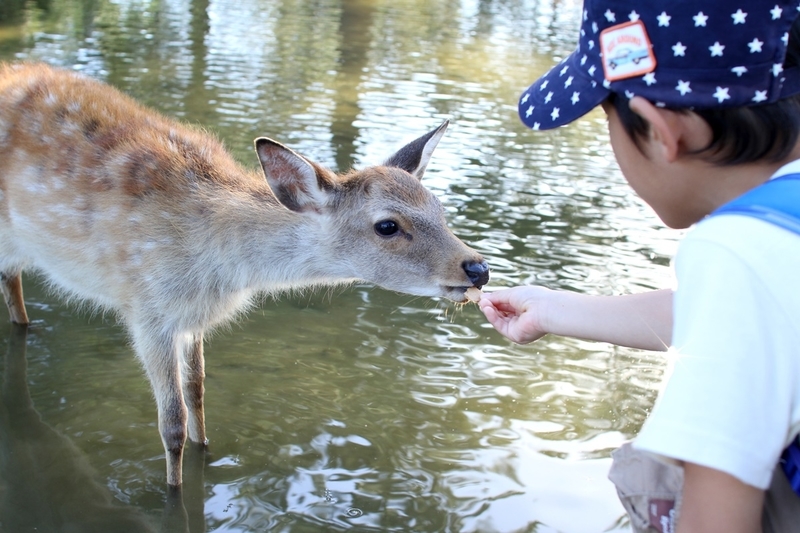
(739, 134)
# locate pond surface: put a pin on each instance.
(353, 409)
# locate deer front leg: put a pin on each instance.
(11, 285)
(161, 359)
(193, 388)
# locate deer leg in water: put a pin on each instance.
(12, 292)
(193, 389)
(160, 355)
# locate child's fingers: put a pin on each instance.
(499, 320)
(512, 301)
(496, 297)
(488, 310)
(491, 314)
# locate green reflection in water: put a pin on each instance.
(355, 408)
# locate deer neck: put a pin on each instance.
(262, 246)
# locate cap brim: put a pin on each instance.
(564, 94)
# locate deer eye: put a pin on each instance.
(386, 228)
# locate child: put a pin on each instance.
(703, 105)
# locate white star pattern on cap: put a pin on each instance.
(738, 17)
(722, 94)
(700, 19)
(695, 55)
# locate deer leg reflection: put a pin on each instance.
(46, 482)
(184, 510)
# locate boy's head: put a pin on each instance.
(690, 88)
(698, 55)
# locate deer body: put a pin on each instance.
(129, 211)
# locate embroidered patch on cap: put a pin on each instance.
(626, 51)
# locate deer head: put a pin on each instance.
(379, 224)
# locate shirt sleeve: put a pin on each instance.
(727, 403)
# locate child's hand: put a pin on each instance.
(525, 314)
(516, 313)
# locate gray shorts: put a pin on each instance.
(650, 491)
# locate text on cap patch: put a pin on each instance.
(626, 51)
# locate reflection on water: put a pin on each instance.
(48, 482)
(354, 409)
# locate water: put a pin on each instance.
(353, 409)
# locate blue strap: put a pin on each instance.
(778, 202)
(790, 462)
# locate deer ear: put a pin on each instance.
(292, 178)
(414, 157)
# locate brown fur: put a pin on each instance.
(123, 208)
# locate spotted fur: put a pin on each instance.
(122, 208)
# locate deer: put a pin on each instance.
(133, 213)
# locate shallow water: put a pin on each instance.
(353, 408)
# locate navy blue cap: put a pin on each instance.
(678, 54)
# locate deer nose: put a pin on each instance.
(477, 272)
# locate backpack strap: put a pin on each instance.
(790, 462)
(776, 201)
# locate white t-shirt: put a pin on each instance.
(732, 401)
